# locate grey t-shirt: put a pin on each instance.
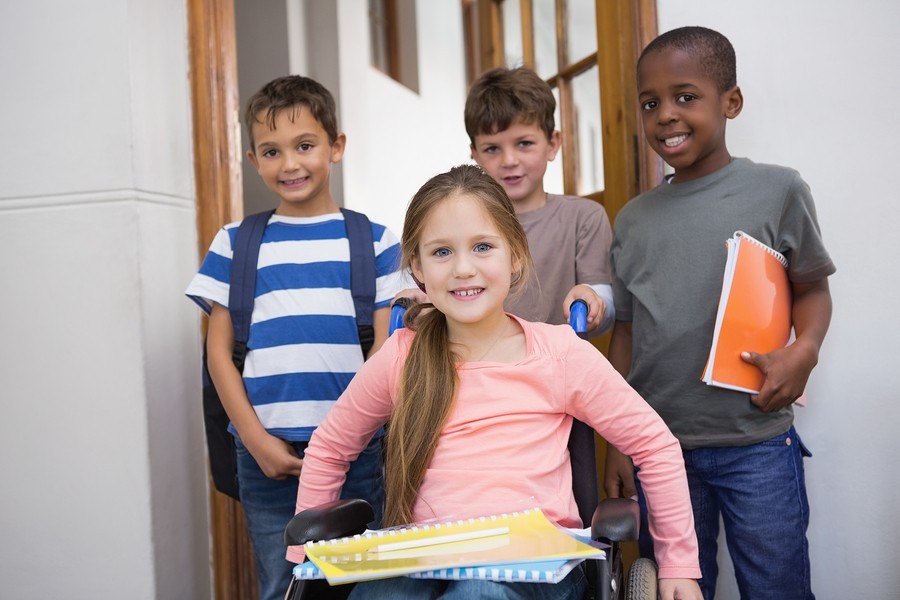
(669, 254)
(569, 240)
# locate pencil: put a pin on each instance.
(440, 539)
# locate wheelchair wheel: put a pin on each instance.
(642, 583)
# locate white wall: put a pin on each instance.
(104, 486)
(397, 139)
(819, 80)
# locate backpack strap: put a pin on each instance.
(242, 290)
(362, 275)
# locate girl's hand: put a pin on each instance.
(275, 457)
(679, 589)
(596, 305)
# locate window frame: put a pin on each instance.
(390, 34)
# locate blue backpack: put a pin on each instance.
(220, 443)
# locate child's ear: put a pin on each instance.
(516, 269)
(251, 156)
(338, 147)
(734, 102)
(416, 267)
(555, 142)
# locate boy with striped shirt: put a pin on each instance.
(304, 346)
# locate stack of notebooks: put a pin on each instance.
(754, 313)
(520, 546)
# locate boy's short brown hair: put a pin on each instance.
(503, 96)
(291, 92)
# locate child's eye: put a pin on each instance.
(270, 153)
(526, 143)
(686, 98)
(305, 146)
(490, 149)
(649, 105)
(482, 247)
(441, 252)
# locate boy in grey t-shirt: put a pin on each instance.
(742, 454)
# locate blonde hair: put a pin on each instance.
(429, 382)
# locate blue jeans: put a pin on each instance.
(269, 504)
(760, 493)
(405, 588)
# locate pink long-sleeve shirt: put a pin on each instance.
(504, 444)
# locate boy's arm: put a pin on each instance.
(618, 474)
(276, 457)
(592, 265)
(381, 320)
(787, 370)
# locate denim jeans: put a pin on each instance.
(269, 504)
(760, 493)
(405, 588)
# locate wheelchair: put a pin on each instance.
(613, 520)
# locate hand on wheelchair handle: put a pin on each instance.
(578, 313)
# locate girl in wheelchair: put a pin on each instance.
(480, 403)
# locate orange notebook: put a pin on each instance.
(754, 313)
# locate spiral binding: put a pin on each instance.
(778, 255)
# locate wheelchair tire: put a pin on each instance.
(642, 581)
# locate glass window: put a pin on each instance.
(581, 29)
(379, 35)
(588, 131)
(393, 40)
(512, 33)
(553, 177)
(545, 59)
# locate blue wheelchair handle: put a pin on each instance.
(578, 312)
(397, 312)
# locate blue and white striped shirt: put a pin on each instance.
(304, 346)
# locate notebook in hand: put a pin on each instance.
(754, 313)
(520, 537)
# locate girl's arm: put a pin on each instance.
(276, 457)
(787, 370)
(361, 410)
(601, 397)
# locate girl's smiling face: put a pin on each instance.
(465, 263)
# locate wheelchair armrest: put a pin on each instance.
(616, 520)
(336, 519)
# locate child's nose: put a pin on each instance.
(509, 158)
(463, 266)
(668, 112)
(291, 162)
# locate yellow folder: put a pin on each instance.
(519, 537)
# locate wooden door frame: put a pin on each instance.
(217, 180)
